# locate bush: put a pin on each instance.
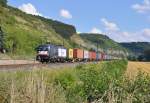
(3, 2)
(90, 82)
(129, 91)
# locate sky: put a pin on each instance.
(121, 20)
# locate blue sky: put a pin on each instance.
(121, 20)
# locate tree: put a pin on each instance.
(1, 38)
(1, 41)
(141, 58)
(147, 54)
(3, 2)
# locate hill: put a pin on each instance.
(136, 48)
(102, 41)
(24, 32)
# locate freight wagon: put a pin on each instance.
(102, 56)
(78, 54)
(70, 55)
(86, 55)
(98, 56)
(92, 55)
(109, 57)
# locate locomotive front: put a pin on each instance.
(43, 53)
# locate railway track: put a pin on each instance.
(31, 66)
(19, 66)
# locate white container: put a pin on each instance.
(62, 52)
(86, 54)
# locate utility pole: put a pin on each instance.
(97, 47)
(1, 33)
(63, 42)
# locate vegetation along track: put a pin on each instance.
(83, 83)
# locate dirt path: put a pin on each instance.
(135, 67)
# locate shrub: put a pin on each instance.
(3, 2)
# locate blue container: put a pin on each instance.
(98, 56)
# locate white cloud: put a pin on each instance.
(109, 26)
(29, 9)
(146, 32)
(78, 32)
(96, 30)
(113, 31)
(142, 8)
(124, 36)
(65, 13)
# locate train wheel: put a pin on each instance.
(38, 58)
(42, 61)
(47, 61)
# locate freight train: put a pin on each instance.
(57, 53)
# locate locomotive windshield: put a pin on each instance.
(42, 48)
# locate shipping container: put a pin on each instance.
(57, 51)
(98, 56)
(70, 53)
(86, 54)
(106, 57)
(78, 53)
(92, 55)
(62, 52)
(102, 56)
